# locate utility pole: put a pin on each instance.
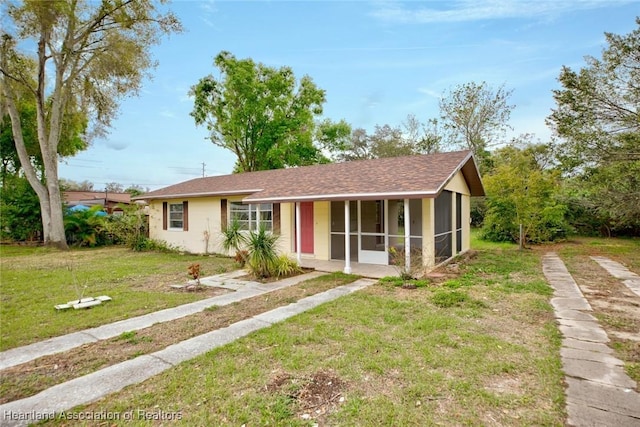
(203, 165)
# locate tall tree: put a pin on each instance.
(387, 141)
(599, 106)
(262, 114)
(88, 55)
(358, 147)
(475, 116)
(598, 119)
(72, 138)
(424, 138)
(113, 187)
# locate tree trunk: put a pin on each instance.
(49, 195)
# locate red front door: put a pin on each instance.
(306, 227)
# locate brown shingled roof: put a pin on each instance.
(399, 177)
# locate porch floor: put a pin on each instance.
(374, 271)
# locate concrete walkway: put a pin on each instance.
(242, 290)
(599, 392)
(630, 279)
(94, 386)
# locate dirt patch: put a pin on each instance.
(314, 396)
(29, 378)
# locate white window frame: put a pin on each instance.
(174, 215)
(256, 215)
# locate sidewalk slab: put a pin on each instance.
(622, 401)
(573, 303)
(586, 345)
(579, 414)
(585, 331)
(593, 356)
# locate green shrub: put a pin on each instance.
(86, 227)
(20, 218)
(129, 229)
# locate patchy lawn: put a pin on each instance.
(480, 347)
(34, 280)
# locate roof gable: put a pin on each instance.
(400, 177)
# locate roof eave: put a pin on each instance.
(342, 197)
(195, 195)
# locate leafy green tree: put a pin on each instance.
(333, 137)
(136, 190)
(475, 116)
(599, 104)
(520, 190)
(358, 147)
(598, 118)
(386, 141)
(88, 55)
(264, 115)
(113, 187)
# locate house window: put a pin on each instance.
(251, 217)
(176, 216)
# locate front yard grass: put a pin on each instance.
(34, 279)
(32, 377)
(479, 349)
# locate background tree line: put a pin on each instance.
(88, 55)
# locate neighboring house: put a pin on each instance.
(423, 201)
(110, 201)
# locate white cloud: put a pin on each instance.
(473, 10)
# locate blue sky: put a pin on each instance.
(377, 60)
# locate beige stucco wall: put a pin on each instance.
(287, 228)
(204, 214)
(321, 233)
(458, 184)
